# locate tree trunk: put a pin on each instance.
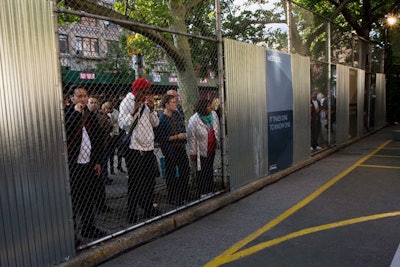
(188, 80)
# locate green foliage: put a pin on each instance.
(361, 16)
(200, 21)
(151, 12)
(262, 26)
(206, 58)
(64, 18)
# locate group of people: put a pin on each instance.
(319, 109)
(92, 135)
(137, 115)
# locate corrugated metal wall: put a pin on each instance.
(380, 101)
(36, 227)
(301, 110)
(342, 84)
(246, 109)
(342, 103)
(360, 101)
(246, 112)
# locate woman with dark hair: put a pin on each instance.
(171, 134)
(203, 140)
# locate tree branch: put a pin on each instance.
(93, 7)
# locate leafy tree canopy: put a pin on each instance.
(361, 16)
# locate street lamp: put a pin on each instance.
(391, 20)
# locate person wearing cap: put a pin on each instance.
(140, 159)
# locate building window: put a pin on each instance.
(87, 47)
(88, 21)
(63, 42)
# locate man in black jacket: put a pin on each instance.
(85, 151)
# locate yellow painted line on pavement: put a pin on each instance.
(224, 257)
(380, 166)
(385, 156)
(251, 250)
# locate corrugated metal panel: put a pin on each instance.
(246, 112)
(342, 103)
(301, 104)
(360, 101)
(34, 203)
(380, 102)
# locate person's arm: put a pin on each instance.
(73, 125)
(161, 132)
(192, 141)
(180, 121)
(153, 117)
(154, 120)
(128, 111)
(97, 138)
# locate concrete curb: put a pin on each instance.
(110, 248)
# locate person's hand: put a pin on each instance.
(150, 102)
(97, 169)
(193, 157)
(182, 136)
(79, 107)
(178, 137)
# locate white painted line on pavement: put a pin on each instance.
(396, 259)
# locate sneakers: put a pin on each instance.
(318, 148)
(93, 232)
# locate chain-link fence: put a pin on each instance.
(144, 75)
(142, 112)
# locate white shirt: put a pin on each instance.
(316, 106)
(142, 136)
(114, 119)
(86, 147)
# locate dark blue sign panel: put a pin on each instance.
(280, 110)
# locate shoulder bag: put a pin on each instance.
(126, 139)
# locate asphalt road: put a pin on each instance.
(343, 210)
